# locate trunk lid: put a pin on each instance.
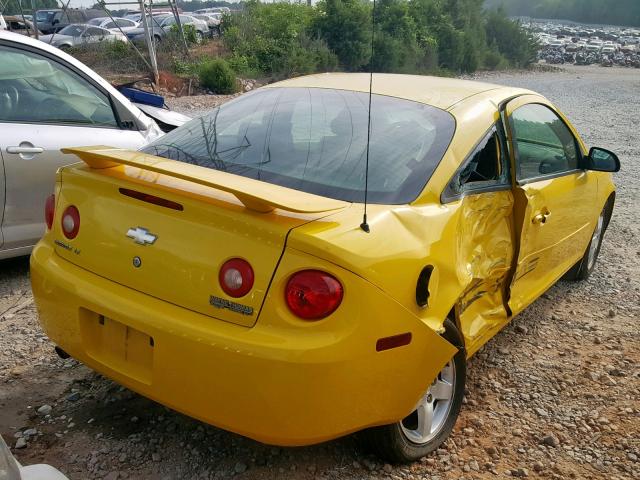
(172, 253)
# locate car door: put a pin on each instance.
(45, 105)
(93, 35)
(2, 190)
(553, 197)
(483, 192)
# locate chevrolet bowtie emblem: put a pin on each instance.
(141, 236)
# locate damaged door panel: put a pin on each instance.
(485, 254)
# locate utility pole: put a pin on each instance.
(34, 21)
(150, 41)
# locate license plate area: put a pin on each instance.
(118, 346)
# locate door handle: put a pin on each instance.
(541, 218)
(27, 150)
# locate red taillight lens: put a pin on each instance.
(71, 222)
(49, 210)
(236, 277)
(313, 295)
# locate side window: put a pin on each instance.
(36, 89)
(544, 144)
(94, 32)
(123, 23)
(111, 25)
(487, 166)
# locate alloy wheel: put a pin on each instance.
(431, 413)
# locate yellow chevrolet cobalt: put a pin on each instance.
(225, 269)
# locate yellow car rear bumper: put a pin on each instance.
(277, 384)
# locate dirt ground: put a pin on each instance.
(555, 395)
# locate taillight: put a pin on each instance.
(236, 277)
(49, 210)
(313, 295)
(71, 222)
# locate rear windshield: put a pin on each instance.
(314, 140)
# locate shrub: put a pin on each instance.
(190, 34)
(217, 76)
(346, 27)
(276, 39)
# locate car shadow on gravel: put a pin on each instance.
(13, 267)
(142, 435)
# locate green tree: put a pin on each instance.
(346, 27)
(510, 39)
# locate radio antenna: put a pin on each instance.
(364, 225)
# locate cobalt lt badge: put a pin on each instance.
(137, 261)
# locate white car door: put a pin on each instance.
(2, 189)
(46, 105)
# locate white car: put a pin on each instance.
(115, 24)
(79, 34)
(50, 100)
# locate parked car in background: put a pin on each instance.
(50, 100)
(220, 10)
(76, 35)
(115, 24)
(212, 22)
(137, 17)
(19, 25)
(54, 20)
(161, 26)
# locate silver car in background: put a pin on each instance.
(114, 24)
(79, 34)
(49, 100)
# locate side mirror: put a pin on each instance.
(601, 160)
(55, 22)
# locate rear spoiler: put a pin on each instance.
(255, 195)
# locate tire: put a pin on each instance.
(581, 270)
(403, 442)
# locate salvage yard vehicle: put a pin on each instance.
(20, 25)
(212, 22)
(49, 100)
(81, 34)
(161, 26)
(114, 24)
(51, 21)
(226, 269)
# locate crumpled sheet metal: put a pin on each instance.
(485, 252)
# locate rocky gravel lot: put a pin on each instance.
(555, 395)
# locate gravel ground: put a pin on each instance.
(555, 395)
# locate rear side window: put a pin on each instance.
(486, 168)
(315, 139)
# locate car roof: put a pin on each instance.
(440, 92)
